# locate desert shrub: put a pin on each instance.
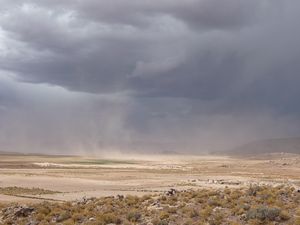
(134, 216)
(245, 206)
(206, 212)
(214, 202)
(217, 218)
(55, 210)
(227, 191)
(107, 218)
(297, 219)
(63, 216)
(68, 222)
(239, 209)
(164, 215)
(163, 198)
(157, 221)
(263, 213)
(43, 223)
(146, 197)
(77, 217)
(235, 195)
(44, 209)
(40, 216)
(253, 190)
(188, 222)
(193, 213)
(171, 210)
(229, 207)
(234, 223)
(212, 193)
(131, 200)
(213, 221)
(284, 215)
(172, 200)
(255, 222)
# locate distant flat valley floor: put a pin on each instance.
(64, 178)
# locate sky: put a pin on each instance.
(93, 76)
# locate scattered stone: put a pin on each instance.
(120, 197)
(23, 211)
(155, 206)
(33, 223)
(171, 192)
(224, 166)
(224, 182)
(85, 201)
(92, 219)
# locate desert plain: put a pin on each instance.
(71, 178)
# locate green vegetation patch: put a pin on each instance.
(100, 162)
(24, 191)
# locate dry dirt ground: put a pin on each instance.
(72, 177)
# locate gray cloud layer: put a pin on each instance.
(203, 74)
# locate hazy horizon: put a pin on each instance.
(92, 76)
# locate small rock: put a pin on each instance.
(171, 192)
(120, 197)
(33, 223)
(23, 211)
(92, 219)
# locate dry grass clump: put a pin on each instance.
(2, 206)
(254, 205)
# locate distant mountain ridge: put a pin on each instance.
(280, 145)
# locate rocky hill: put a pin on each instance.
(282, 145)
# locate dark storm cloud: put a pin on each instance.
(79, 44)
(199, 13)
(95, 46)
(184, 68)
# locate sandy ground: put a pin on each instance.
(78, 177)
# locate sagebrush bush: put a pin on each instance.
(254, 205)
(263, 213)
